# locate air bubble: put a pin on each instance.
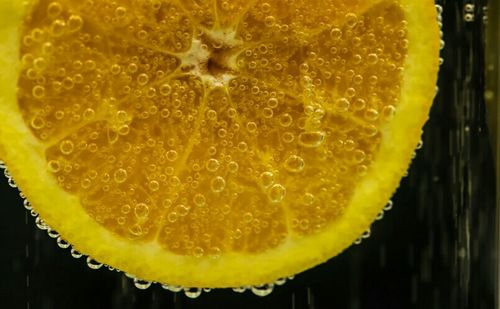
(288, 137)
(373, 80)
(294, 164)
(120, 175)
(251, 127)
(61, 243)
(174, 181)
(141, 211)
(311, 139)
(263, 49)
(342, 105)
(272, 103)
(266, 179)
(242, 146)
(388, 111)
(142, 284)
(115, 69)
(38, 92)
(359, 104)
(124, 130)
(54, 9)
(350, 92)
(26, 203)
(211, 151)
(85, 183)
(304, 68)
(172, 155)
(231, 113)
(75, 23)
(88, 114)
(358, 156)
(370, 130)
(154, 185)
(40, 63)
(54, 166)
(366, 234)
(122, 115)
(233, 167)
(93, 174)
(336, 33)
(215, 252)
(357, 79)
(93, 264)
(167, 203)
(40, 224)
(192, 292)
(198, 252)
(240, 289)
(172, 217)
(59, 115)
(277, 193)
(199, 200)
(165, 89)
(211, 114)
(372, 59)
(309, 199)
(285, 120)
(351, 19)
(68, 83)
(263, 290)
(136, 230)
(120, 12)
(57, 28)
(165, 113)
(142, 79)
(75, 254)
(142, 35)
(269, 21)
(132, 68)
(212, 165)
(172, 288)
(280, 281)
(222, 133)
(27, 59)
(66, 147)
(182, 210)
(371, 114)
(218, 184)
(267, 112)
(389, 205)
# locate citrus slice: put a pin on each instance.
(213, 143)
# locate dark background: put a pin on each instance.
(437, 248)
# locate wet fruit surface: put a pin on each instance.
(212, 127)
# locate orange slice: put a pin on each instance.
(213, 143)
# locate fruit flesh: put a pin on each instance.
(24, 153)
(206, 134)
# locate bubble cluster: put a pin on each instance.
(208, 140)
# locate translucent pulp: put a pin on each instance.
(211, 126)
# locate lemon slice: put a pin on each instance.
(213, 143)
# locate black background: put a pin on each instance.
(435, 249)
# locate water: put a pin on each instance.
(436, 248)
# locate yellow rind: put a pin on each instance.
(24, 157)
